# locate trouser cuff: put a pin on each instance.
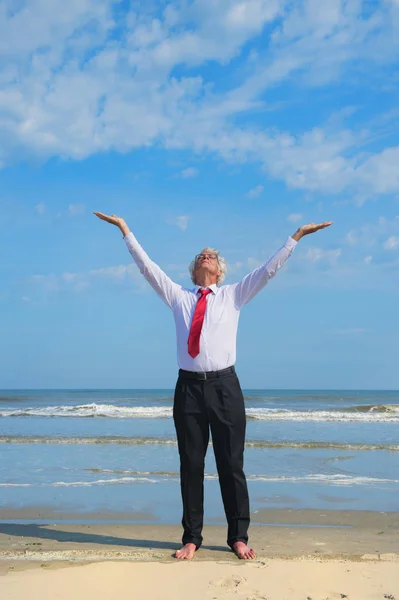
(197, 542)
(231, 543)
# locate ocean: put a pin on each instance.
(114, 451)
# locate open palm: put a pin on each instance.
(113, 219)
(313, 227)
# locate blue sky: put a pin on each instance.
(225, 123)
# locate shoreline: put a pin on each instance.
(265, 516)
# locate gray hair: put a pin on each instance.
(221, 264)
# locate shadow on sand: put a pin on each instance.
(42, 532)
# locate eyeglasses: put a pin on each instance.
(203, 256)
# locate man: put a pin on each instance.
(208, 394)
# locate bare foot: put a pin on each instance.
(243, 551)
(187, 552)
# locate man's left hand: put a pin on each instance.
(310, 228)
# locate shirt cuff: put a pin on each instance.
(290, 243)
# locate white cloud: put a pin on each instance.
(76, 209)
(118, 70)
(180, 222)
(234, 267)
(317, 40)
(188, 173)
(368, 259)
(69, 277)
(392, 243)
(76, 282)
(294, 217)
(380, 172)
(351, 238)
(348, 331)
(253, 263)
(374, 233)
(218, 31)
(316, 255)
(255, 192)
(49, 283)
(97, 79)
(118, 273)
(115, 273)
(40, 208)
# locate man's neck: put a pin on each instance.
(205, 281)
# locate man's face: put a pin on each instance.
(206, 261)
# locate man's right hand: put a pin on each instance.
(114, 220)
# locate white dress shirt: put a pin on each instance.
(219, 330)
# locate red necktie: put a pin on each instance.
(196, 324)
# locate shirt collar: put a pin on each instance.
(212, 287)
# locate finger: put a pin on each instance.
(323, 225)
(106, 218)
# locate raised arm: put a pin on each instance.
(167, 289)
(252, 283)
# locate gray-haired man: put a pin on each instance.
(208, 395)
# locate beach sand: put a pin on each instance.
(302, 554)
(272, 579)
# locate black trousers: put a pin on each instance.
(216, 403)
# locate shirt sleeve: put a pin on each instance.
(252, 283)
(167, 289)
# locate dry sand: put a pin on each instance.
(272, 579)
